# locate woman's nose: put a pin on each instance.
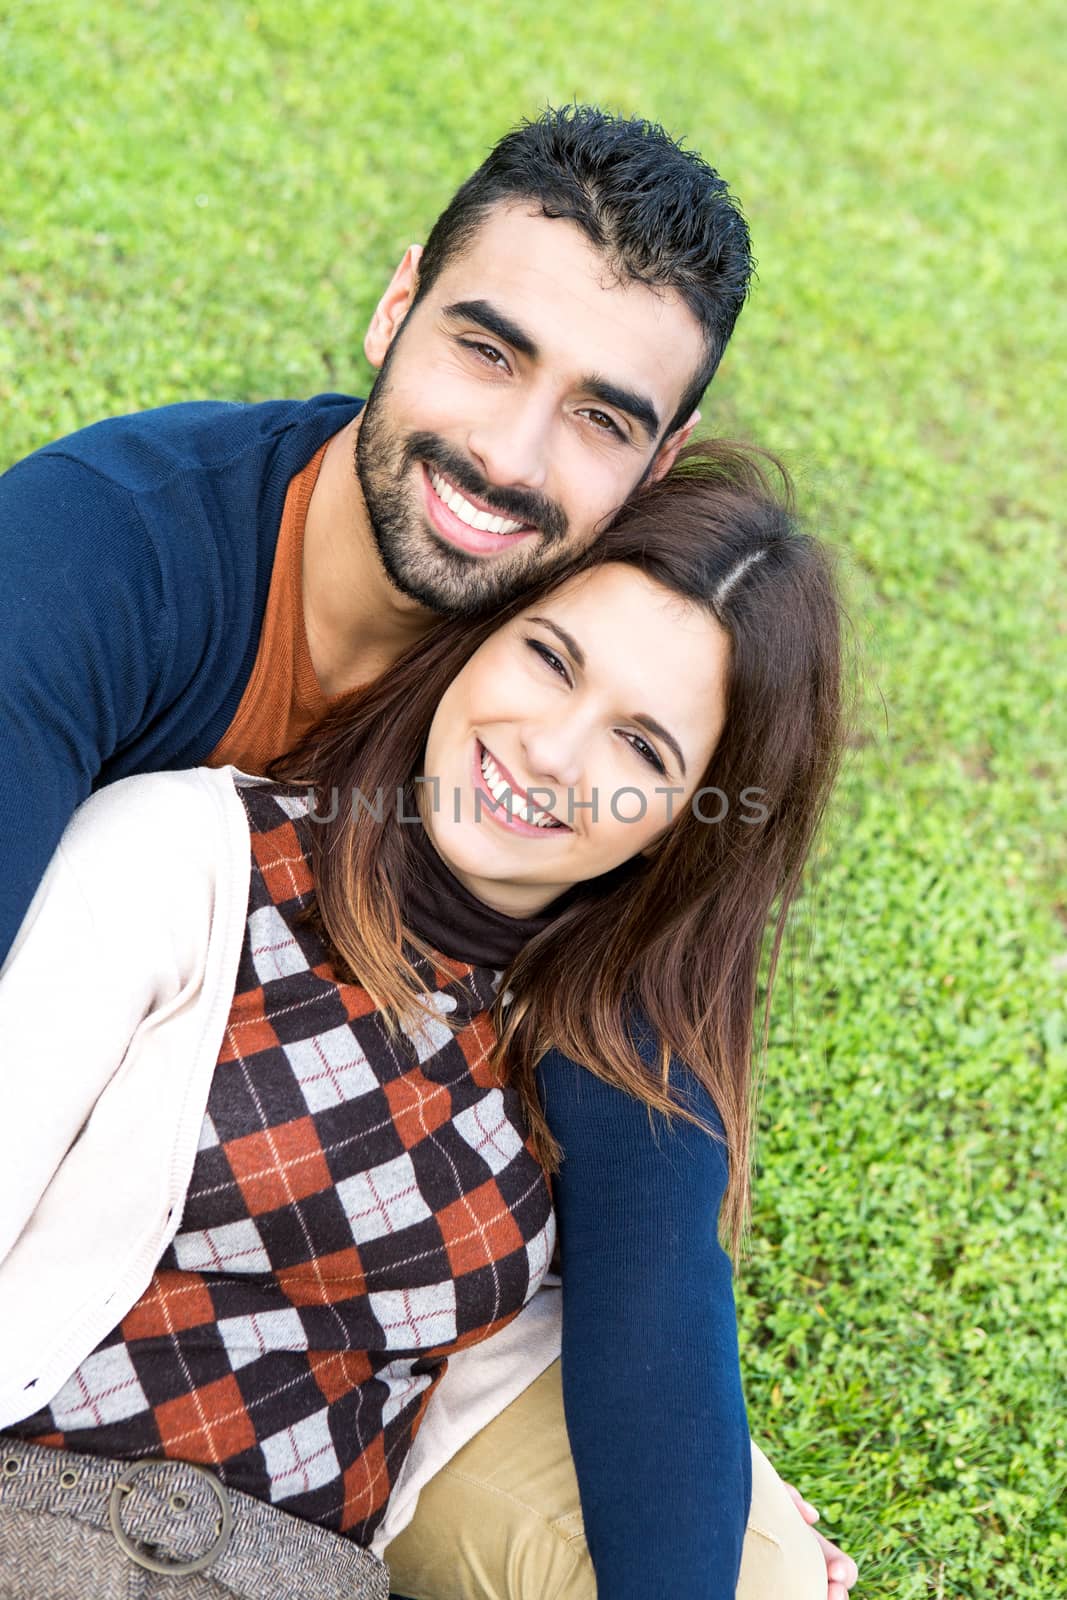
(553, 755)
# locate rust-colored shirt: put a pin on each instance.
(283, 697)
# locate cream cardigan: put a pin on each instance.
(113, 1004)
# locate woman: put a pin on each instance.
(262, 1186)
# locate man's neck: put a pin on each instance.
(357, 624)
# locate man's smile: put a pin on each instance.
(469, 524)
(475, 513)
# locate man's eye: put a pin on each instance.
(486, 352)
(646, 752)
(550, 656)
(603, 423)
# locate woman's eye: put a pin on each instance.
(550, 656)
(646, 752)
(486, 352)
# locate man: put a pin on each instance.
(197, 584)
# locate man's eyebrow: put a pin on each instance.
(487, 316)
(493, 321)
(638, 716)
(633, 404)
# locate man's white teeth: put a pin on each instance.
(483, 520)
(499, 788)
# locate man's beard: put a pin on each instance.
(417, 561)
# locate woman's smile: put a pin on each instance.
(503, 800)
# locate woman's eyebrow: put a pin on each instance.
(668, 738)
(568, 639)
(638, 716)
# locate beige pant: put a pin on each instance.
(502, 1521)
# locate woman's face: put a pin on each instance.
(591, 705)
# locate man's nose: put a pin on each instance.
(511, 445)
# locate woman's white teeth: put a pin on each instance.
(483, 520)
(499, 787)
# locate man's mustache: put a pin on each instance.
(518, 505)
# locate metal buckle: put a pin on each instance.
(124, 1485)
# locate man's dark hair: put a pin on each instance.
(659, 214)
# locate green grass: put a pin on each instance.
(207, 200)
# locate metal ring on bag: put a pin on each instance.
(124, 1485)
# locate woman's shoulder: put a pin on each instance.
(150, 876)
(163, 814)
(175, 839)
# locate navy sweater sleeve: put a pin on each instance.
(135, 563)
(82, 626)
(651, 1378)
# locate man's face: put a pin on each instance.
(518, 405)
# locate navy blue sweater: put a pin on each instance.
(135, 560)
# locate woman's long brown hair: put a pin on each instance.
(677, 936)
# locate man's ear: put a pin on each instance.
(393, 307)
(670, 447)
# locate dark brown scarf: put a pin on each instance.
(454, 921)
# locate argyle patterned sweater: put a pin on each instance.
(359, 1207)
